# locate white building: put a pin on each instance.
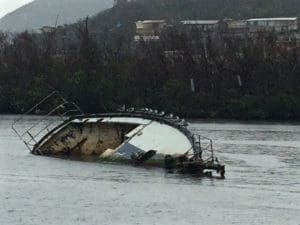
(149, 29)
(204, 25)
(47, 29)
(283, 24)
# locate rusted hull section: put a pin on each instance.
(86, 139)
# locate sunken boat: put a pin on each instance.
(136, 136)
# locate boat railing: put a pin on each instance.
(31, 133)
(202, 148)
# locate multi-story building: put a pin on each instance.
(287, 24)
(202, 25)
(149, 29)
(47, 29)
(236, 27)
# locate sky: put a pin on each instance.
(7, 6)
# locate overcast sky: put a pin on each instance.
(7, 6)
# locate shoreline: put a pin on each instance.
(199, 119)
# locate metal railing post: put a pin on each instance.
(68, 107)
(212, 150)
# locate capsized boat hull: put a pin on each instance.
(115, 135)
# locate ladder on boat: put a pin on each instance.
(31, 133)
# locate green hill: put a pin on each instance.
(209, 9)
(96, 64)
(173, 10)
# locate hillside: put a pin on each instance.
(221, 8)
(174, 10)
(44, 13)
(96, 64)
(206, 9)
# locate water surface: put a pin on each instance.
(262, 184)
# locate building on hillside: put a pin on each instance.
(202, 25)
(149, 29)
(47, 29)
(287, 24)
(236, 27)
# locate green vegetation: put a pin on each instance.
(216, 9)
(96, 64)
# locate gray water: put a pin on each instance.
(262, 184)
